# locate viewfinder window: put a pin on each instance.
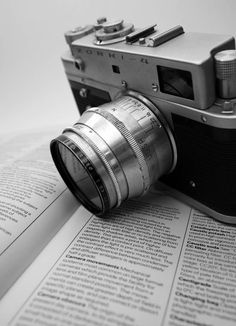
(175, 82)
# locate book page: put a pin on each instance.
(204, 291)
(34, 202)
(28, 184)
(154, 261)
(117, 270)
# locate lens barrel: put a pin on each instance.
(115, 152)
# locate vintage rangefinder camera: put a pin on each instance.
(157, 108)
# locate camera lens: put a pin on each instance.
(114, 152)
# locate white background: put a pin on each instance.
(33, 86)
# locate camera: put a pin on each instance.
(158, 108)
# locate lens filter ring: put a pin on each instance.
(103, 159)
(88, 166)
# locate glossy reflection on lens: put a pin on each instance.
(80, 177)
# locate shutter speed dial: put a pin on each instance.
(113, 32)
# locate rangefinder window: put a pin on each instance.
(175, 82)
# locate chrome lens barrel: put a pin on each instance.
(115, 152)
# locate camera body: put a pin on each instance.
(182, 76)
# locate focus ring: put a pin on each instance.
(132, 142)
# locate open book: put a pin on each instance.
(153, 261)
